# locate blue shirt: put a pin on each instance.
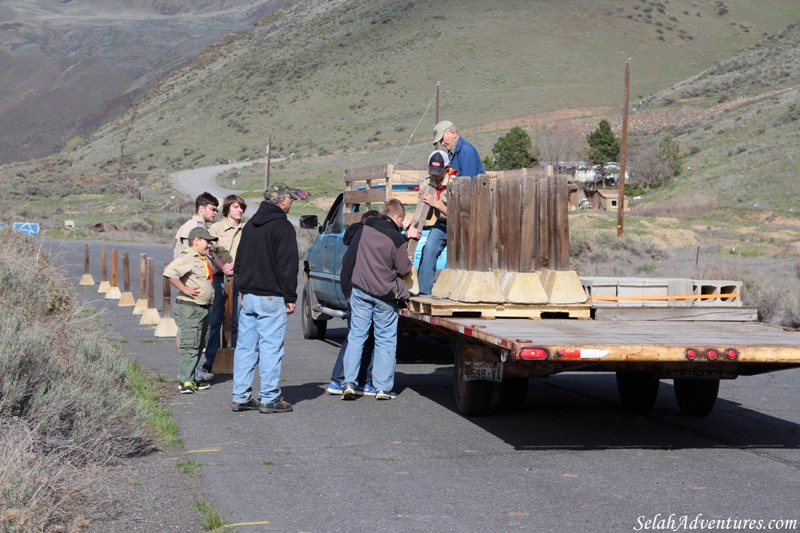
(465, 159)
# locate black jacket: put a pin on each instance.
(351, 238)
(267, 261)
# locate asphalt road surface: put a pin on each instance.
(571, 460)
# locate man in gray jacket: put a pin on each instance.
(381, 262)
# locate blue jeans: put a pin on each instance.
(262, 331)
(365, 372)
(215, 320)
(436, 242)
(382, 315)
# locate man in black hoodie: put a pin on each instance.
(265, 273)
(381, 262)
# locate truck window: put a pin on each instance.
(334, 221)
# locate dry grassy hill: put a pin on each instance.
(345, 77)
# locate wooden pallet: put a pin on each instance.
(429, 305)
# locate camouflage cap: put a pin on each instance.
(278, 190)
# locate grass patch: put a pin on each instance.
(209, 516)
(188, 466)
(159, 419)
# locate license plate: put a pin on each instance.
(480, 371)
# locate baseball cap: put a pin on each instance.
(202, 233)
(280, 189)
(437, 162)
(439, 129)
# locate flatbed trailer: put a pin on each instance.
(494, 357)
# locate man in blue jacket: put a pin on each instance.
(464, 157)
(265, 272)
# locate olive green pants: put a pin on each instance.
(192, 321)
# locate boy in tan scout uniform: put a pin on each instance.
(192, 274)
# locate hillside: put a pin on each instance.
(344, 78)
(69, 66)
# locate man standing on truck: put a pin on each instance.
(439, 175)
(381, 262)
(463, 156)
(265, 272)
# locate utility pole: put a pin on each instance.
(266, 168)
(436, 121)
(622, 153)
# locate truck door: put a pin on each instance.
(325, 255)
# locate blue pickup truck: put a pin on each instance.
(322, 265)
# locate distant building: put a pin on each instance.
(604, 199)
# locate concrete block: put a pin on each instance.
(563, 287)
(166, 327)
(522, 287)
(717, 293)
(113, 293)
(150, 317)
(140, 307)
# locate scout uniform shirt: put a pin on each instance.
(228, 240)
(441, 192)
(193, 270)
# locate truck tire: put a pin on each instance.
(312, 329)
(696, 397)
(637, 392)
(473, 398)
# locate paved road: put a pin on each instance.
(571, 460)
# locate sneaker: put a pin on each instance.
(201, 385)
(201, 374)
(251, 405)
(334, 388)
(368, 390)
(187, 387)
(349, 392)
(384, 395)
(278, 406)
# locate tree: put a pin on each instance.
(513, 150)
(654, 163)
(603, 144)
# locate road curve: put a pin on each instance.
(197, 180)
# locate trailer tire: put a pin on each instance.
(637, 392)
(312, 329)
(473, 398)
(696, 397)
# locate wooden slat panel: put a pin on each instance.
(464, 186)
(499, 221)
(406, 197)
(365, 173)
(543, 216)
(453, 225)
(561, 222)
(514, 208)
(365, 196)
(480, 259)
(527, 233)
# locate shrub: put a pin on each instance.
(65, 408)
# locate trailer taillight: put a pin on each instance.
(533, 354)
(691, 354)
(712, 354)
(732, 353)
